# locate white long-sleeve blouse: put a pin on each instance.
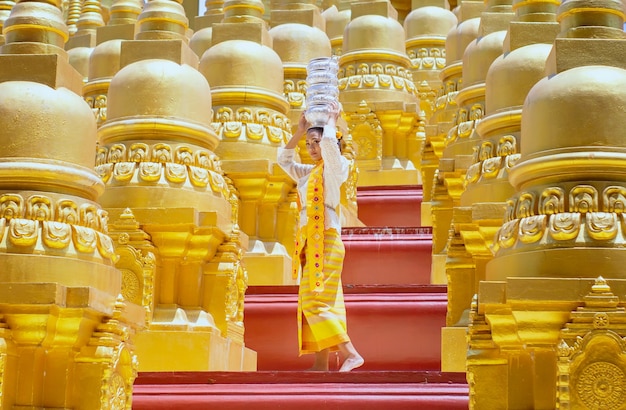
(336, 169)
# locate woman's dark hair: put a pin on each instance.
(318, 129)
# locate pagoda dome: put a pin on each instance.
(579, 107)
(79, 59)
(236, 63)
(336, 21)
(429, 21)
(299, 43)
(459, 38)
(104, 61)
(372, 32)
(512, 75)
(479, 55)
(47, 124)
(201, 41)
(160, 88)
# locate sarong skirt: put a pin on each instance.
(322, 316)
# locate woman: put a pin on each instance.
(319, 250)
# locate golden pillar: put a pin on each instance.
(378, 96)
(250, 118)
(157, 159)
(426, 29)
(550, 319)
(440, 123)
(66, 330)
(487, 188)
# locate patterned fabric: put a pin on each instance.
(322, 316)
(315, 228)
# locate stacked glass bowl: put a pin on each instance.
(322, 90)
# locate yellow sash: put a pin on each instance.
(313, 231)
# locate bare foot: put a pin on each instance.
(351, 363)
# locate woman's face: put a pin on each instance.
(313, 138)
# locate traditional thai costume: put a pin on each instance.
(319, 245)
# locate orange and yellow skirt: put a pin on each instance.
(322, 316)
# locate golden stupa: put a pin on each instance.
(139, 194)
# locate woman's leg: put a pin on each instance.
(352, 358)
(321, 361)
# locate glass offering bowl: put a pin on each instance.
(317, 115)
(323, 63)
(322, 77)
(318, 99)
(324, 89)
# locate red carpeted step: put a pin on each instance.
(387, 256)
(360, 390)
(393, 327)
(390, 205)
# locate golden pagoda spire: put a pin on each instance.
(250, 118)
(382, 80)
(64, 322)
(426, 27)
(157, 158)
(554, 323)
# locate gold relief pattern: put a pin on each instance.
(251, 124)
(393, 77)
(552, 201)
(583, 203)
(583, 198)
(98, 105)
(601, 226)
(614, 199)
(174, 164)
(525, 205)
(531, 229)
(602, 385)
(488, 166)
(432, 58)
(564, 226)
(57, 223)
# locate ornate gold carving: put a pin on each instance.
(431, 58)
(176, 164)
(58, 223)
(532, 228)
(583, 198)
(552, 201)
(602, 385)
(564, 226)
(371, 76)
(601, 226)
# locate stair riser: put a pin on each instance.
(389, 207)
(387, 259)
(392, 331)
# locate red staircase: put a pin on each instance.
(394, 319)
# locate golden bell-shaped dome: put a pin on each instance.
(459, 38)
(79, 59)
(479, 55)
(105, 60)
(201, 41)
(236, 63)
(374, 32)
(40, 122)
(336, 21)
(160, 88)
(429, 21)
(299, 43)
(511, 76)
(579, 107)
